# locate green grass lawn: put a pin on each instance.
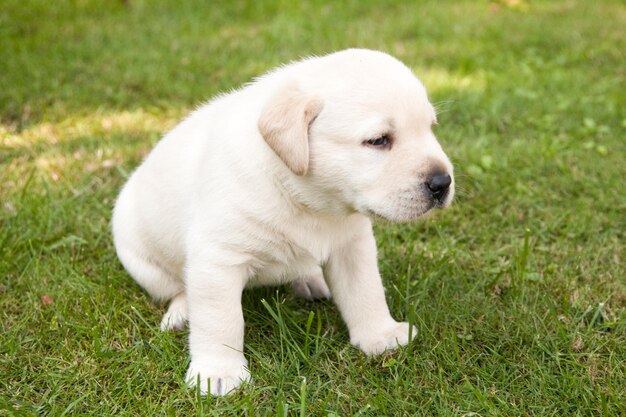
(518, 290)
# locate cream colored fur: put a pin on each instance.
(276, 183)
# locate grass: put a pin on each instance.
(518, 291)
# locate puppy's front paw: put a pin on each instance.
(218, 377)
(373, 342)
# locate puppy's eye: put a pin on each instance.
(382, 141)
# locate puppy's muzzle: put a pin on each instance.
(438, 186)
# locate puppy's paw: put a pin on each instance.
(373, 342)
(312, 287)
(218, 377)
(176, 315)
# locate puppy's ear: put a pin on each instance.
(284, 124)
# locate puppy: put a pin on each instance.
(276, 183)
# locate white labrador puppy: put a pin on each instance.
(276, 183)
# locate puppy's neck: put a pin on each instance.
(305, 198)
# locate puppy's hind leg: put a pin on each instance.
(312, 286)
(176, 316)
(159, 283)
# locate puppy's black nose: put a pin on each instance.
(438, 185)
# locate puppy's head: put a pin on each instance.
(356, 127)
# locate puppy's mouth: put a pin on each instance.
(402, 216)
(406, 209)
